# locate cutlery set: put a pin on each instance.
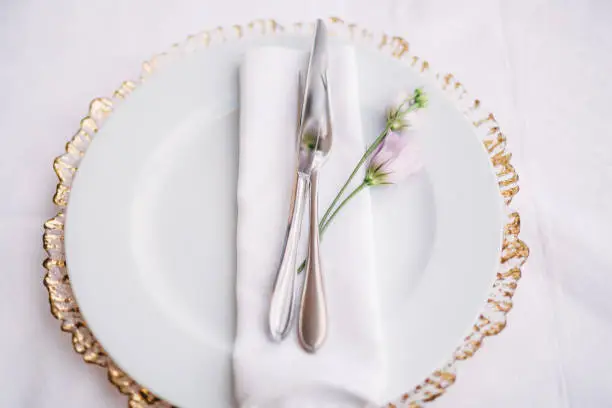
(314, 142)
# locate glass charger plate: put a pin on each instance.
(179, 337)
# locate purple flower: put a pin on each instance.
(395, 159)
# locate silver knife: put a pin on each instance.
(313, 146)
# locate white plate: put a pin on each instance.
(150, 233)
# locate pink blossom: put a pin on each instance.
(395, 159)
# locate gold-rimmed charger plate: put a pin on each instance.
(514, 252)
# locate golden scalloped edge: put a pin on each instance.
(514, 253)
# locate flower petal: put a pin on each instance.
(394, 144)
(409, 161)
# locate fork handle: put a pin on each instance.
(312, 324)
(282, 302)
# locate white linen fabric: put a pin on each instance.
(351, 360)
(542, 66)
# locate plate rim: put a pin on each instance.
(514, 252)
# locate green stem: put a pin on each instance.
(342, 204)
(322, 228)
(360, 163)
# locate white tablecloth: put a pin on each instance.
(543, 67)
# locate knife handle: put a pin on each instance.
(312, 323)
(282, 303)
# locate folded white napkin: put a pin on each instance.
(349, 368)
